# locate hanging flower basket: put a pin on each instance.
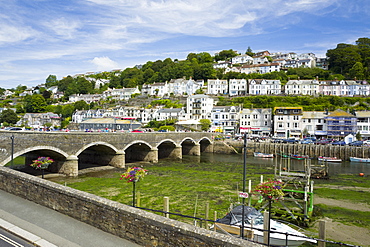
(134, 174)
(42, 163)
(270, 190)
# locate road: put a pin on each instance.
(10, 240)
(48, 228)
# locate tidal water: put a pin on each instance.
(344, 167)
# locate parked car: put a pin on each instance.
(366, 142)
(322, 142)
(13, 128)
(339, 143)
(137, 131)
(276, 140)
(356, 143)
(308, 141)
(292, 141)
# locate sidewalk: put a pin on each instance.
(47, 228)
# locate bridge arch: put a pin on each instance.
(32, 153)
(95, 154)
(168, 148)
(139, 150)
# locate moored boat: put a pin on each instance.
(263, 155)
(281, 234)
(329, 159)
(356, 159)
(299, 157)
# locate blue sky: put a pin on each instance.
(66, 37)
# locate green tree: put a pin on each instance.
(225, 55)
(51, 81)
(67, 111)
(249, 52)
(357, 71)
(343, 57)
(8, 116)
(35, 103)
(205, 124)
(81, 105)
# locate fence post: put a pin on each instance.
(215, 218)
(207, 212)
(166, 206)
(138, 199)
(322, 233)
(266, 227)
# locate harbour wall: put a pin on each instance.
(136, 225)
(313, 151)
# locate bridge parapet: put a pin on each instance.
(105, 148)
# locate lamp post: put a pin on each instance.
(60, 119)
(244, 185)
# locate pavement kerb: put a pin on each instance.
(30, 237)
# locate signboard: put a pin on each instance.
(243, 194)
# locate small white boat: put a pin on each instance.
(355, 159)
(329, 159)
(263, 155)
(280, 235)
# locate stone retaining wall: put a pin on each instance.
(139, 226)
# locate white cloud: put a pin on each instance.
(104, 63)
(12, 34)
(63, 27)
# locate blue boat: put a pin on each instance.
(363, 160)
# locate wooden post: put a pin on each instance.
(249, 192)
(266, 227)
(215, 218)
(138, 199)
(166, 206)
(261, 179)
(207, 212)
(322, 232)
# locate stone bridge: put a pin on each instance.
(71, 150)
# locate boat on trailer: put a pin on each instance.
(280, 234)
(263, 155)
(363, 160)
(329, 159)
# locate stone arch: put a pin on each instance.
(32, 153)
(168, 148)
(206, 145)
(96, 154)
(140, 151)
(96, 144)
(35, 148)
(190, 147)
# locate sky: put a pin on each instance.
(39, 38)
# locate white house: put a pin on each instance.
(88, 98)
(199, 106)
(81, 115)
(363, 123)
(314, 124)
(264, 87)
(120, 93)
(256, 121)
(242, 59)
(168, 113)
(156, 89)
(221, 65)
(358, 88)
(287, 121)
(302, 87)
(237, 87)
(225, 119)
(217, 86)
(336, 88)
